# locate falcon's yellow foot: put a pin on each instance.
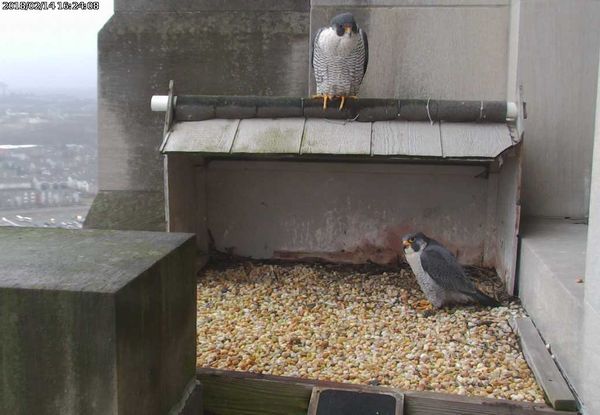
(423, 306)
(324, 97)
(343, 99)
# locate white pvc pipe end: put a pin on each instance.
(159, 102)
(512, 110)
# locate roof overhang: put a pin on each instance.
(232, 126)
(306, 137)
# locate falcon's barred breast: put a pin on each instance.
(340, 57)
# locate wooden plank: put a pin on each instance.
(474, 140)
(322, 136)
(543, 366)
(180, 187)
(427, 403)
(507, 217)
(336, 137)
(185, 197)
(237, 393)
(210, 136)
(408, 138)
(226, 395)
(269, 136)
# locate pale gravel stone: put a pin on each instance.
(348, 326)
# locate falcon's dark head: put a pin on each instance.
(414, 242)
(344, 23)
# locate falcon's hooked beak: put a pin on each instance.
(407, 247)
(347, 29)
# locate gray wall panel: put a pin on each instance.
(558, 62)
(591, 340)
(344, 212)
(431, 52)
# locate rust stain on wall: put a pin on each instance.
(386, 250)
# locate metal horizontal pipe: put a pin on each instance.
(203, 107)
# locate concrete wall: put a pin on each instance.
(590, 387)
(455, 49)
(348, 212)
(450, 49)
(558, 67)
(558, 45)
(207, 47)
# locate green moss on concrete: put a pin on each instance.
(80, 260)
(95, 321)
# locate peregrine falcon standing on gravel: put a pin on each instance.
(439, 274)
(339, 59)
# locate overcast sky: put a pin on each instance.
(51, 49)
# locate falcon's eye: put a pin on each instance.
(411, 240)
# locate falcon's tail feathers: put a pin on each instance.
(485, 300)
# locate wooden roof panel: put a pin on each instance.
(279, 136)
(322, 136)
(316, 136)
(209, 136)
(474, 140)
(407, 138)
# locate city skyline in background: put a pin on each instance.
(48, 120)
(51, 51)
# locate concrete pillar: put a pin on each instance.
(558, 45)
(592, 284)
(590, 356)
(207, 47)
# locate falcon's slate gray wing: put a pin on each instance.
(312, 50)
(319, 61)
(445, 270)
(365, 40)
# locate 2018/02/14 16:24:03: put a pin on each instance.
(50, 5)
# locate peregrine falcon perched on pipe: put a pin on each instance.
(339, 59)
(439, 274)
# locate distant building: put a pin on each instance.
(17, 193)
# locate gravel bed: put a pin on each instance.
(358, 325)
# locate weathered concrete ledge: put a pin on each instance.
(551, 287)
(127, 210)
(203, 107)
(97, 322)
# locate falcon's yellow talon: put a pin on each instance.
(423, 305)
(342, 103)
(325, 98)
